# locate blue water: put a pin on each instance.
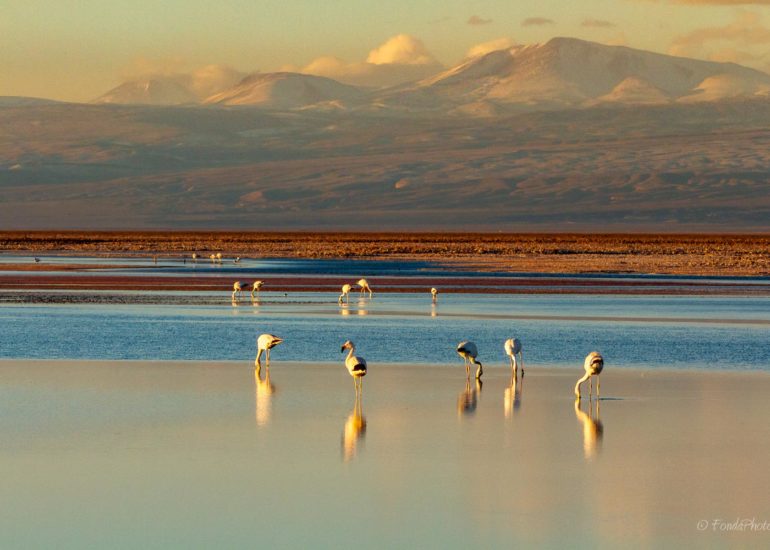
(700, 332)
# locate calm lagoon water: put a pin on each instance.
(703, 332)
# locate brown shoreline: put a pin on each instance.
(735, 255)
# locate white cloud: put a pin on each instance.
(744, 40)
(401, 49)
(400, 59)
(491, 46)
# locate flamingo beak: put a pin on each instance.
(342, 349)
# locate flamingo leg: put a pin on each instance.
(590, 387)
(521, 358)
(259, 354)
(598, 387)
(267, 356)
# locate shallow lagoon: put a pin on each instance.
(709, 332)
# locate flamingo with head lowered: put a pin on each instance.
(256, 287)
(593, 365)
(345, 293)
(265, 343)
(512, 348)
(364, 284)
(434, 294)
(468, 351)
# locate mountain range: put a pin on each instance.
(564, 136)
(562, 73)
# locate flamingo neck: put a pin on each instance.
(351, 352)
(579, 382)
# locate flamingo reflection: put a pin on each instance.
(593, 429)
(354, 430)
(468, 398)
(512, 395)
(362, 307)
(263, 395)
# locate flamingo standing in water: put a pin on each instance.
(469, 352)
(346, 293)
(265, 343)
(364, 284)
(593, 366)
(238, 288)
(434, 294)
(256, 288)
(356, 365)
(512, 348)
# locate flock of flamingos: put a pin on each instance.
(356, 365)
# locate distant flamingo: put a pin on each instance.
(346, 293)
(512, 348)
(265, 343)
(219, 257)
(434, 294)
(213, 258)
(195, 257)
(238, 288)
(356, 365)
(469, 352)
(256, 287)
(364, 284)
(593, 365)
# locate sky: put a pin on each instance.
(75, 50)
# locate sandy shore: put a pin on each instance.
(526, 253)
(204, 454)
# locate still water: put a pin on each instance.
(703, 332)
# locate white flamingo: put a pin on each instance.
(219, 257)
(238, 288)
(364, 284)
(345, 293)
(195, 257)
(265, 343)
(434, 294)
(512, 348)
(356, 365)
(213, 258)
(593, 366)
(256, 287)
(469, 352)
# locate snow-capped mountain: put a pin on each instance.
(287, 91)
(567, 72)
(151, 91)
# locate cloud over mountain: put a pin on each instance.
(401, 58)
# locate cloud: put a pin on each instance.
(536, 21)
(399, 59)
(202, 82)
(733, 41)
(491, 46)
(401, 49)
(475, 20)
(597, 23)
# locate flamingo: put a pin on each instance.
(434, 294)
(213, 258)
(238, 288)
(512, 348)
(593, 366)
(469, 352)
(219, 257)
(195, 257)
(345, 292)
(256, 287)
(265, 343)
(364, 284)
(356, 365)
